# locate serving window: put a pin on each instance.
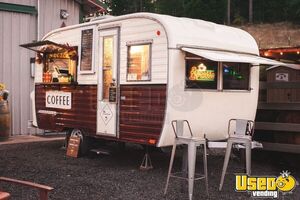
(59, 61)
(60, 68)
(138, 68)
(201, 73)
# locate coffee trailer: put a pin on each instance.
(126, 78)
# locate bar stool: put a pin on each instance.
(243, 133)
(189, 157)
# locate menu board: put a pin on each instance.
(112, 94)
(73, 147)
(86, 50)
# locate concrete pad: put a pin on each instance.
(30, 138)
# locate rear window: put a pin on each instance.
(236, 76)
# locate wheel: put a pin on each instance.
(84, 141)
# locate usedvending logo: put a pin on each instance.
(265, 186)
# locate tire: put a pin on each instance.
(84, 141)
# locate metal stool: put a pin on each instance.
(189, 157)
(242, 135)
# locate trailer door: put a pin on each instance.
(108, 83)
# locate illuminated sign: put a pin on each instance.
(197, 74)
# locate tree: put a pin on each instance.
(228, 12)
(294, 10)
(121, 7)
(250, 11)
(213, 10)
(219, 11)
(170, 7)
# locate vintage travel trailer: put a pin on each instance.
(126, 78)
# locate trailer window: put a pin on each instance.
(139, 63)
(201, 74)
(236, 76)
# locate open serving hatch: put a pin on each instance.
(46, 46)
(57, 62)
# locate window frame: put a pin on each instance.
(95, 36)
(220, 81)
(249, 80)
(105, 68)
(45, 65)
(130, 44)
(185, 72)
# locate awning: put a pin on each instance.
(46, 46)
(223, 56)
(292, 66)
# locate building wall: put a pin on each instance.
(50, 17)
(15, 67)
(19, 28)
(22, 2)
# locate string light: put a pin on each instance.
(281, 53)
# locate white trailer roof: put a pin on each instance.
(206, 35)
(186, 32)
(288, 65)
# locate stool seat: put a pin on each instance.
(247, 137)
(189, 157)
(186, 139)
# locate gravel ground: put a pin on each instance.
(116, 176)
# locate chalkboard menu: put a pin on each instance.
(112, 95)
(86, 50)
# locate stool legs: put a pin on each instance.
(248, 158)
(226, 160)
(184, 166)
(170, 166)
(191, 167)
(188, 166)
(205, 168)
(227, 156)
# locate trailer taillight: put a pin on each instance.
(151, 141)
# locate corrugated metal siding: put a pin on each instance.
(22, 2)
(50, 19)
(15, 67)
(16, 29)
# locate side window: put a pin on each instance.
(201, 74)
(138, 68)
(236, 76)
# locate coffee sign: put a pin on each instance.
(58, 99)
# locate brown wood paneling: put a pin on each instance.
(283, 91)
(83, 113)
(142, 111)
